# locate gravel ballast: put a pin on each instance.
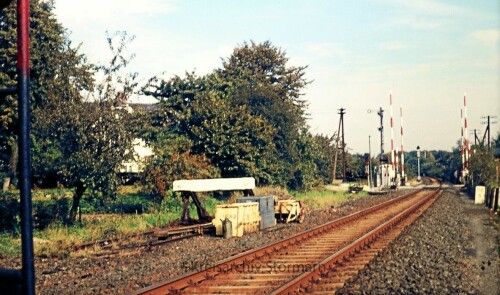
(121, 274)
(450, 249)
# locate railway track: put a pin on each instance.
(146, 239)
(319, 260)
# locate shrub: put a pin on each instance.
(162, 172)
(49, 211)
(44, 211)
(9, 212)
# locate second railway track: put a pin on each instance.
(318, 260)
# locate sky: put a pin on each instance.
(425, 53)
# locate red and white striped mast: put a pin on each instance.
(402, 147)
(462, 142)
(392, 133)
(467, 150)
(397, 163)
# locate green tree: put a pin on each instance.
(324, 151)
(305, 174)
(258, 76)
(175, 97)
(482, 168)
(58, 71)
(83, 143)
(355, 167)
(247, 117)
(87, 143)
(173, 161)
(237, 143)
(117, 84)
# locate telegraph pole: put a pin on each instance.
(476, 138)
(403, 181)
(344, 162)
(488, 123)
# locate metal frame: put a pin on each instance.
(13, 280)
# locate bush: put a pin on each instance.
(49, 211)
(161, 173)
(44, 211)
(9, 212)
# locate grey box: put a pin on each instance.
(266, 209)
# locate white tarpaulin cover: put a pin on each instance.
(217, 184)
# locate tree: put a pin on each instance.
(236, 142)
(482, 168)
(247, 117)
(58, 71)
(305, 173)
(175, 97)
(116, 85)
(355, 167)
(173, 161)
(87, 143)
(83, 143)
(258, 76)
(324, 151)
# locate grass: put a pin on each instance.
(116, 219)
(59, 240)
(317, 199)
(10, 245)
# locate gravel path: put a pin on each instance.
(451, 249)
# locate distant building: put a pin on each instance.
(141, 153)
(129, 170)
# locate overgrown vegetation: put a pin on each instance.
(53, 238)
(316, 199)
(483, 167)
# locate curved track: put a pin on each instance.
(304, 262)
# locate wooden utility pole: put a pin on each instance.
(487, 131)
(344, 163)
(334, 177)
(339, 130)
(370, 184)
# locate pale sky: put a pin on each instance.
(428, 53)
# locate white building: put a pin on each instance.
(141, 152)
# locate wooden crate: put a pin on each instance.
(245, 218)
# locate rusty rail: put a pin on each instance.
(153, 238)
(303, 283)
(192, 280)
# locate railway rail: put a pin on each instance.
(147, 239)
(318, 260)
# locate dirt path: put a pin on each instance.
(486, 243)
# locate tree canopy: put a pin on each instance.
(247, 117)
(58, 71)
(79, 143)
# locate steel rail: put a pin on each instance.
(300, 283)
(179, 283)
